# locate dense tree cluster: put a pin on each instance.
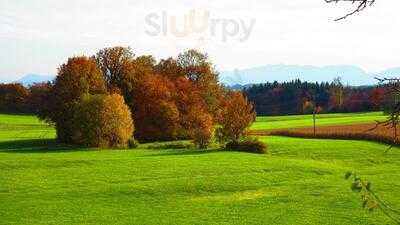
(295, 97)
(109, 98)
(16, 98)
(170, 99)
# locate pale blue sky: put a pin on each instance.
(37, 36)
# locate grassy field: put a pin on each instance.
(23, 127)
(299, 182)
(280, 122)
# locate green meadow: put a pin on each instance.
(300, 181)
(300, 121)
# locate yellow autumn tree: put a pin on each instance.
(236, 117)
(102, 121)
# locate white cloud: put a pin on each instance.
(37, 36)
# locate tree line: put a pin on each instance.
(297, 97)
(16, 98)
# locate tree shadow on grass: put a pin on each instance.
(37, 146)
(180, 152)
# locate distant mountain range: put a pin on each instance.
(351, 75)
(30, 79)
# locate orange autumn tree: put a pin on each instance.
(166, 109)
(203, 133)
(236, 117)
(155, 112)
(135, 70)
(76, 78)
(195, 121)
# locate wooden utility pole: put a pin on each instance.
(314, 112)
(395, 133)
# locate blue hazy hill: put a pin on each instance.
(30, 79)
(351, 75)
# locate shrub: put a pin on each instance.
(202, 138)
(203, 129)
(252, 146)
(117, 123)
(102, 121)
(86, 121)
(133, 143)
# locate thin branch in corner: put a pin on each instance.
(362, 4)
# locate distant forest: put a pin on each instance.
(297, 97)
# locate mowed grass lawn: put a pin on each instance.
(299, 121)
(299, 182)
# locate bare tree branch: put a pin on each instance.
(393, 109)
(361, 5)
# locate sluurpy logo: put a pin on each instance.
(199, 24)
